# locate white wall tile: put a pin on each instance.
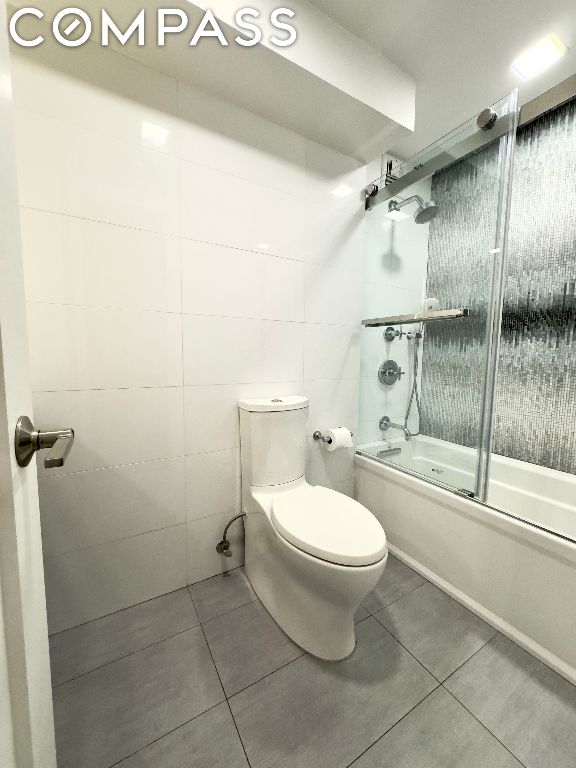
(333, 295)
(117, 94)
(334, 238)
(333, 403)
(331, 352)
(381, 300)
(75, 261)
(217, 207)
(94, 582)
(333, 178)
(211, 412)
(328, 468)
(213, 484)
(85, 509)
(203, 535)
(230, 139)
(397, 251)
(113, 426)
(267, 273)
(374, 349)
(224, 351)
(77, 348)
(223, 281)
(66, 169)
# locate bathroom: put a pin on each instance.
(293, 327)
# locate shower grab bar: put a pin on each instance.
(417, 317)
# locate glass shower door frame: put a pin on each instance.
(496, 302)
(496, 125)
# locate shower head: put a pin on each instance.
(425, 212)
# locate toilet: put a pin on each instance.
(312, 554)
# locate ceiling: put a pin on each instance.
(458, 51)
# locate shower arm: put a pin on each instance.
(393, 205)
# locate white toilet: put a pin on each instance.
(312, 554)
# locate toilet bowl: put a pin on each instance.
(312, 554)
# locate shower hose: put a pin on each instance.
(414, 394)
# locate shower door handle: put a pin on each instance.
(28, 440)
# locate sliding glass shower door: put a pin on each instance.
(436, 243)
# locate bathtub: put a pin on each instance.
(517, 575)
(537, 495)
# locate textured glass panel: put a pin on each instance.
(460, 266)
(535, 401)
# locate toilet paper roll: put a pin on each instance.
(340, 438)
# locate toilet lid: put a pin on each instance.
(329, 525)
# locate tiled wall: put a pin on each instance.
(395, 278)
(180, 253)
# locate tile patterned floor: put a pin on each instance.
(203, 678)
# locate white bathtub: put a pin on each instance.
(518, 577)
(535, 494)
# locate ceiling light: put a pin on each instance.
(539, 57)
(342, 190)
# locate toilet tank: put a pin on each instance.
(273, 439)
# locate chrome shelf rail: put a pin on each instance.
(417, 317)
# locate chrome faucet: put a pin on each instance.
(385, 424)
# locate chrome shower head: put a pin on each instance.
(426, 212)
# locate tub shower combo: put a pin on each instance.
(468, 389)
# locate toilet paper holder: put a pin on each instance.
(325, 438)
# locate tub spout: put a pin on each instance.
(385, 424)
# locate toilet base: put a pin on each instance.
(313, 601)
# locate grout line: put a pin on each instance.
(494, 636)
(126, 655)
(406, 649)
(393, 726)
(120, 610)
(231, 610)
(177, 235)
(394, 601)
(164, 735)
(224, 692)
(182, 314)
(269, 674)
(89, 547)
(237, 608)
(482, 724)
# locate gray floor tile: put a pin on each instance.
(398, 579)
(530, 708)
(91, 645)
(112, 712)
(221, 594)
(438, 733)
(208, 741)
(360, 614)
(315, 714)
(440, 632)
(247, 644)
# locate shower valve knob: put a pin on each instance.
(389, 372)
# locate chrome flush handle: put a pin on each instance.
(28, 440)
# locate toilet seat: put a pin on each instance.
(329, 525)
